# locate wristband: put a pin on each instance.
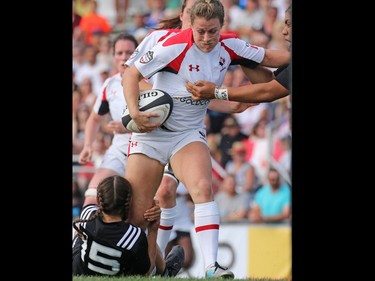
(221, 93)
(90, 192)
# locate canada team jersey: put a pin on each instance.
(150, 41)
(116, 248)
(112, 101)
(177, 60)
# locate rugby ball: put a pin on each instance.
(155, 101)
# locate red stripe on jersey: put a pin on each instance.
(165, 227)
(168, 33)
(232, 54)
(228, 35)
(179, 38)
(206, 227)
(104, 97)
(217, 175)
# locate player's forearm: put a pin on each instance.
(262, 92)
(276, 218)
(130, 84)
(143, 85)
(91, 129)
(224, 106)
(276, 58)
(259, 74)
(151, 239)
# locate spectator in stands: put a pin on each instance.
(249, 19)
(104, 55)
(232, 11)
(76, 18)
(121, 7)
(233, 206)
(270, 17)
(82, 7)
(231, 132)
(260, 143)
(105, 244)
(285, 159)
(77, 199)
(138, 15)
(158, 12)
(78, 58)
(246, 178)
(87, 94)
(79, 124)
(272, 201)
(88, 68)
(93, 22)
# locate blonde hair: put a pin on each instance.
(208, 9)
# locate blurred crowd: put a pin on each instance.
(250, 150)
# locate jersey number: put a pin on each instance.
(95, 249)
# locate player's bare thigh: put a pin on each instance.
(145, 175)
(192, 166)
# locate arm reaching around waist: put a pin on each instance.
(254, 93)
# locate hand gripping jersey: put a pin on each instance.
(116, 248)
(177, 60)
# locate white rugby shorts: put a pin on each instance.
(161, 144)
(115, 160)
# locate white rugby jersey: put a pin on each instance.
(177, 60)
(150, 41)
(111, 100)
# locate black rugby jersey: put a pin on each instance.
(117, 248)
(282, 75)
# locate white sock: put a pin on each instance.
(167, 218)
(207, 223)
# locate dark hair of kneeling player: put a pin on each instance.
(113, 195)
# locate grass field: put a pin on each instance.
(139, 278)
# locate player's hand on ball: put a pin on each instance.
(143, 120)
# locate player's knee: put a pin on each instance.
(167, 189)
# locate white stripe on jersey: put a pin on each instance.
(130, 237)
(87, 212)
(135, 238)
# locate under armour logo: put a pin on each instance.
(134, 143)
(196, 67)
